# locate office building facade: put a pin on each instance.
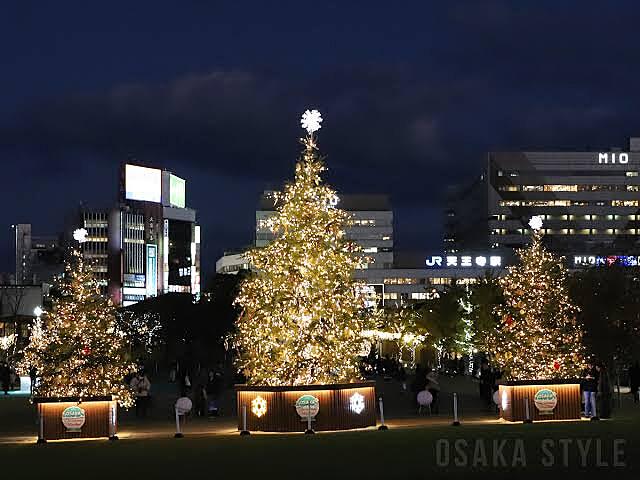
(38, 258)
(371, 225)
(589, 201)
(149, 244)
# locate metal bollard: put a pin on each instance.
(456, 422)
(244, 430)
(309, 430)
(382, 425)
(527, 413)
(595, 417)
(178, 433)
(41, 438)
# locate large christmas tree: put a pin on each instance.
(537, 336)
(302, 320)
(76, 348)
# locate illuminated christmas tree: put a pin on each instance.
(537, 336)
(301, 319)
(76, 348)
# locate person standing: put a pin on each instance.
(634, 381)
(487, 380)
(141, 386)
(33, 376)
(433, 387)
(590, 388)
(604, 391)
(5, 377)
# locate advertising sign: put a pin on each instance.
(177, 191)
(73, 418)
(448, 261)
(152, 270)
(545, 401)
(307, 405)
(142, 183)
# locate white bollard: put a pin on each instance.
(41, 438)
(382, 425)
(527, 413)
(309, 430)
(456, 422)
(178, 430)
(244, 430)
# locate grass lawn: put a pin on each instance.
(397, 453)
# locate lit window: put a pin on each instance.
(624, 203)
(632, 174)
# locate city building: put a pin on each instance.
(371, 225)
(589, 202)
(19, 306)
(393, 279)
(152, 238)
(232, 263)
(37, 258)
(146, 245)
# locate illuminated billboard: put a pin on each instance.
(142, 183)
(177, 187)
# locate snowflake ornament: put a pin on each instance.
(311, 120)
(536, 222)
(80, 235)
(259, 406)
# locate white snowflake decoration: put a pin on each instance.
(536, 222)
(80, 235)
(311, 120)
(259, 406)
(356, 403)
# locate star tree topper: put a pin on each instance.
(311, 120)
(80, 235)
(536, 222)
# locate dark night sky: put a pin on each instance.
(413, 95)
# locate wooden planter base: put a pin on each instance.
(62, 418)
(339, 407)
(546, 399)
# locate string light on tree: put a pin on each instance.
(76, 347)
(301, 318)
(538, 336)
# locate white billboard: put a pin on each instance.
(177, 188)
(142, 183)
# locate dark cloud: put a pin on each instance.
(412, 97)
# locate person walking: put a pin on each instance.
(142, 386)
(634, 381)
(589, 389)
(5, 378)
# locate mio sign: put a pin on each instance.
(613, 157)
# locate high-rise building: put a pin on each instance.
(38, 258)
(589, 201)
(149, 244)
(371, 225)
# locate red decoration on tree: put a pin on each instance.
(86, 350)
(509, 320)
(556, 365)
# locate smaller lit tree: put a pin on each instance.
(76, 348)
(538, 335)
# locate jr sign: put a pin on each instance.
(448, 261)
